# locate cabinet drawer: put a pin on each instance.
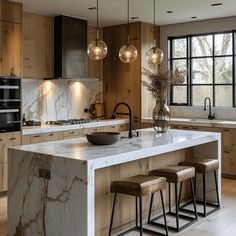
(8, 140)
(123, 127)
(96, 129)
(229, 163)
(71, 134)
(3, 177)
(56, 136)
(112, 128)
(39, 138)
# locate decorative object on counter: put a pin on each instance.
(97, 110)
(160, 81)
(103, 138)
(128, 53)
(97, 49)
(33, 123)
(154, 55)
(23, 119)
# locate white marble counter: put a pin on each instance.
(64, 204)
(199, 122)
(57, 128)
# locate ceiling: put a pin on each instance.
(113, 12)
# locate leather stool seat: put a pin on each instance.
(139, 185)
(202, 165)
(174, 174)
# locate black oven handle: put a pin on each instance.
(9, 110)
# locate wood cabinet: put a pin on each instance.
(10, 11)
(122, 82)
(6, 140)
(41, 138)
(69, 134)
(37, 46)
(10, 49)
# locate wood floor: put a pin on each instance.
(221, 223)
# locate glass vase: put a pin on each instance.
(161, 117)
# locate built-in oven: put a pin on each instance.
(10, 104)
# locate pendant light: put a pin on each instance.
(97, 49)
(154, 55)
(128, 53)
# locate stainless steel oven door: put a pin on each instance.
(10, 119)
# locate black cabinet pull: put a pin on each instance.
(51, 134)
(36, 136)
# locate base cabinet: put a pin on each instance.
(6, 140)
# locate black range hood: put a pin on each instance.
(70, 49)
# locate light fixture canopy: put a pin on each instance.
(154, 56)
(128, 53)
(97, 49)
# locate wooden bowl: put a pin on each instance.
(103, 138)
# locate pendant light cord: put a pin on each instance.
(128, 19)
(97, 22)
(154, 23)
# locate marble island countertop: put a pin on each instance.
(199, 122)
(30, 130)
(65, 184)
(147, 144)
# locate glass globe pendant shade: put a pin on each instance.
(128, 53)
(97, 50)
(154, 56)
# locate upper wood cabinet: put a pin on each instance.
(37, 46)
(122, 82)
(10, 49)
(10, 11)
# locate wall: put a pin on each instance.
(205, 26)
(58, 100)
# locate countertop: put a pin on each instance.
(199, 122)
(147, 144)
(30, 130)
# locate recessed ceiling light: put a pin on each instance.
(193, 17)
(134, 18)
(169, 12)
(216, 4)
(92, 8)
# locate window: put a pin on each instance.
(209, 62)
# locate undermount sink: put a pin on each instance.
(103, 138)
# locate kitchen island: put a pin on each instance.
(62, 187)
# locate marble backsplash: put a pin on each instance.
(58, 99)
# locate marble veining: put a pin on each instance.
(59, 99)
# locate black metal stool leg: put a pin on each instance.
(112, 214)
(169, 197)
(194, 199)
(164, 212)
(195, 184)
(150, 208)
(217, 189)
(136, 211)
(177, 207)
(140, 216)
(180, 192)
(204, 194)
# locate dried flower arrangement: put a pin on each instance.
(161, 80)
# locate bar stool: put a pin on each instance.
(175, 175)
(139, 186)
(204, 166)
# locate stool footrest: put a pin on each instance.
(215, 205)
(181, 216)
(144, 230)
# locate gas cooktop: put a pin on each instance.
(71, 121)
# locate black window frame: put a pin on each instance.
(189, 60)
